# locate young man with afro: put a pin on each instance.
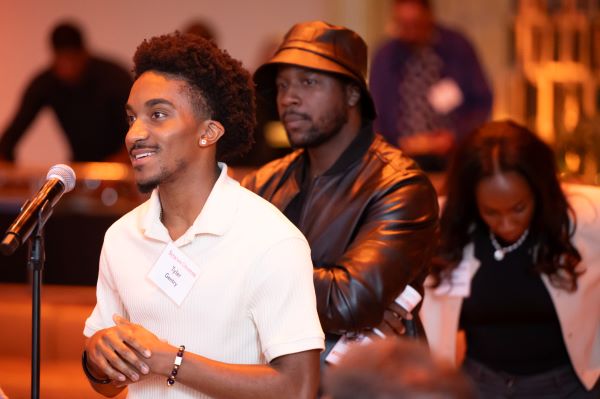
(205, 290)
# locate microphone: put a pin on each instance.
(59, 180)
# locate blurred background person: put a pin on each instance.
(518, 269)
(203, 28)
(395, 369)
(428, 85)
(86, 93)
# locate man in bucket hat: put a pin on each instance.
(368, 212)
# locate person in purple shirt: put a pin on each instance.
(428, 86)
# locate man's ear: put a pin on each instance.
(352, 94)
(210, 132)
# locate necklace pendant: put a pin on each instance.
(498, 254)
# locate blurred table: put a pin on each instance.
(74, 233)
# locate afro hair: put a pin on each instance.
(225, 89)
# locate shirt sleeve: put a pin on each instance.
(282, 300)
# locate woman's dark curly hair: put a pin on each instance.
(505, 146)
(224, 89)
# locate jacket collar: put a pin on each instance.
(352, 154)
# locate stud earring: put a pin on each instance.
(203, 141)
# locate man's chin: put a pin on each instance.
(146, 187)
(300, 139)
(307, 142)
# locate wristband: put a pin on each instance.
(176, 364)
(89, 375)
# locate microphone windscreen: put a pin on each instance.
(65, 174)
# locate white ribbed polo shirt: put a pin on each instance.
(253, 301)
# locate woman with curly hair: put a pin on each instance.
(205, 290)
(517, 269)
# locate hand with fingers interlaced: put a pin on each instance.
(127, 353)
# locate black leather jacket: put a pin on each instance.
(370, 220)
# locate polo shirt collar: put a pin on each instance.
(215, 218)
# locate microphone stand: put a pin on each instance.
(36, 257)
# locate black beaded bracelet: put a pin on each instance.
(176, 364)
(89, 375)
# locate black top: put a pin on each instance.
(509, 319)
(91, 113)
(355, 150)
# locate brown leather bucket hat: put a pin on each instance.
(324, 47)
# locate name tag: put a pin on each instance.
(445, 96)
(174, 273)
(459, 284)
